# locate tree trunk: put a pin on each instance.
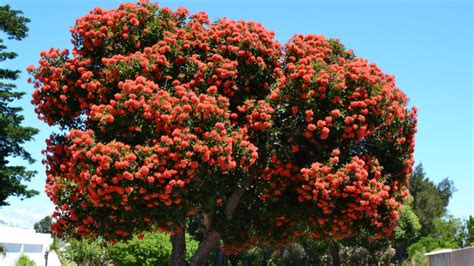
(336, 260)
(178, 254)
(208, 243)
(211, 237)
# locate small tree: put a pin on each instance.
(170, 115)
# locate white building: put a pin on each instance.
(19, 241)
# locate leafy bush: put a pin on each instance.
(425, 244)
(418, 258)
(85, 251)
(153, 249)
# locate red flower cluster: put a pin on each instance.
(169, 114)
(360, 185)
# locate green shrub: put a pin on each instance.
(23, 260)
(418, 258)
(425, 244)
(154, 249)
(85, 251)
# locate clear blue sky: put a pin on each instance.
(427, 45)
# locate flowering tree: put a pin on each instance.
(167, 115)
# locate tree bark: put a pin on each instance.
(234, 200)
(208, 243)
(336, 260)
(178, 254)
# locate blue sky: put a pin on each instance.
(427, 45)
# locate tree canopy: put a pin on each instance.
(12, 133)
(169, 115)
(429, 200)
(43, 225)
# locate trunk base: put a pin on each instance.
(178, 255)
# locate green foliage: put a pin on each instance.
(428, 244)
(429, 200)
(44, 225)
(12, 134)
(23, 260)
(13, 23)
(408, 226)
(425, 244)
(406, 233)
(470, 231)
(153, 249)
(450, 230)
(191, 247)
(417, 259)
(85, 252)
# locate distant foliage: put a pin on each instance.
(43, 225)
(429, 200)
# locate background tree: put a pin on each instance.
(429, 200)
(450, 231)
(167, 115)
(43, 225)
(12, 134)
